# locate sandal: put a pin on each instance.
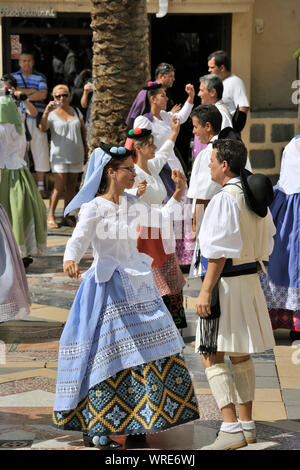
(96, 441)
(52, 224)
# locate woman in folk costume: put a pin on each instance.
(150, 188)
(14, 294)
(159, 122)
(281, 284)
(18, 192)
(120, 367)
(236, 238)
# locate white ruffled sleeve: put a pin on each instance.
(219, 235)
(83, 233)
(142, 122)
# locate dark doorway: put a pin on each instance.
(186, 41)
(59, 44)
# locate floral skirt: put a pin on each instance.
(147, 398)
(286, 319)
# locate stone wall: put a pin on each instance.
(266, 139)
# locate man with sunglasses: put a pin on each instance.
(34, 85)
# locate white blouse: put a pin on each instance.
(219, 235)
(155, 191)
(161, 129)
(289, 180)
(112, 231)
(13, 147)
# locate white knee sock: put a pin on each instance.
(221, 384)
(244, 378)
(247, 425)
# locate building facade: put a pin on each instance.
(261, 37)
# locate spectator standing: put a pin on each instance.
(68, 147)
(34, 85)
(234, 94)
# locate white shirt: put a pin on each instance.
(155, 191)
(226, 117)
(161, 129)
(289, 180)
(13, 147)
(220, 235)
(112, 231)
(234, 93)
(201, 185)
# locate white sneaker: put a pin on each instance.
(227, 441)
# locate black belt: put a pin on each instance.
(242, 272)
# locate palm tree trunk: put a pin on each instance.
(120, 65)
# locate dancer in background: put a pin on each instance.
(160, 126)
(14, 294)
(281, 284)
(18, 192)
(150, 188)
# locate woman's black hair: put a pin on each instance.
(116, 160)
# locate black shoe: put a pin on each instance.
(136, 441)
(111, 445)
(27, 261)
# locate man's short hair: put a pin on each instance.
(164, 69)
(208, 113)
(221, 58)
(233, 152)
(212, 81)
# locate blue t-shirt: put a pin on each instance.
(36, 80)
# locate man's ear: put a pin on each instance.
(208, 127)
(213, 92)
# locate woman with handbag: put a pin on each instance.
(67, 151)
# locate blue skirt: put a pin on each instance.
(104, 335)
(281, 285)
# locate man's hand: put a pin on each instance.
(203, 303)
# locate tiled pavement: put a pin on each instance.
(28, 361)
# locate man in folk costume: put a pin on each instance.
(236, 239)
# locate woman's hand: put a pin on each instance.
(142, 186)
(176, 108)
(190, 90)
(175, 124)
(179, 179)
(50, 106)
(72, 269)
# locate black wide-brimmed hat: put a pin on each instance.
(229, 133)
(258, 191)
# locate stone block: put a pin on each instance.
(258, 133)
(282, 132)
(262, 158)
